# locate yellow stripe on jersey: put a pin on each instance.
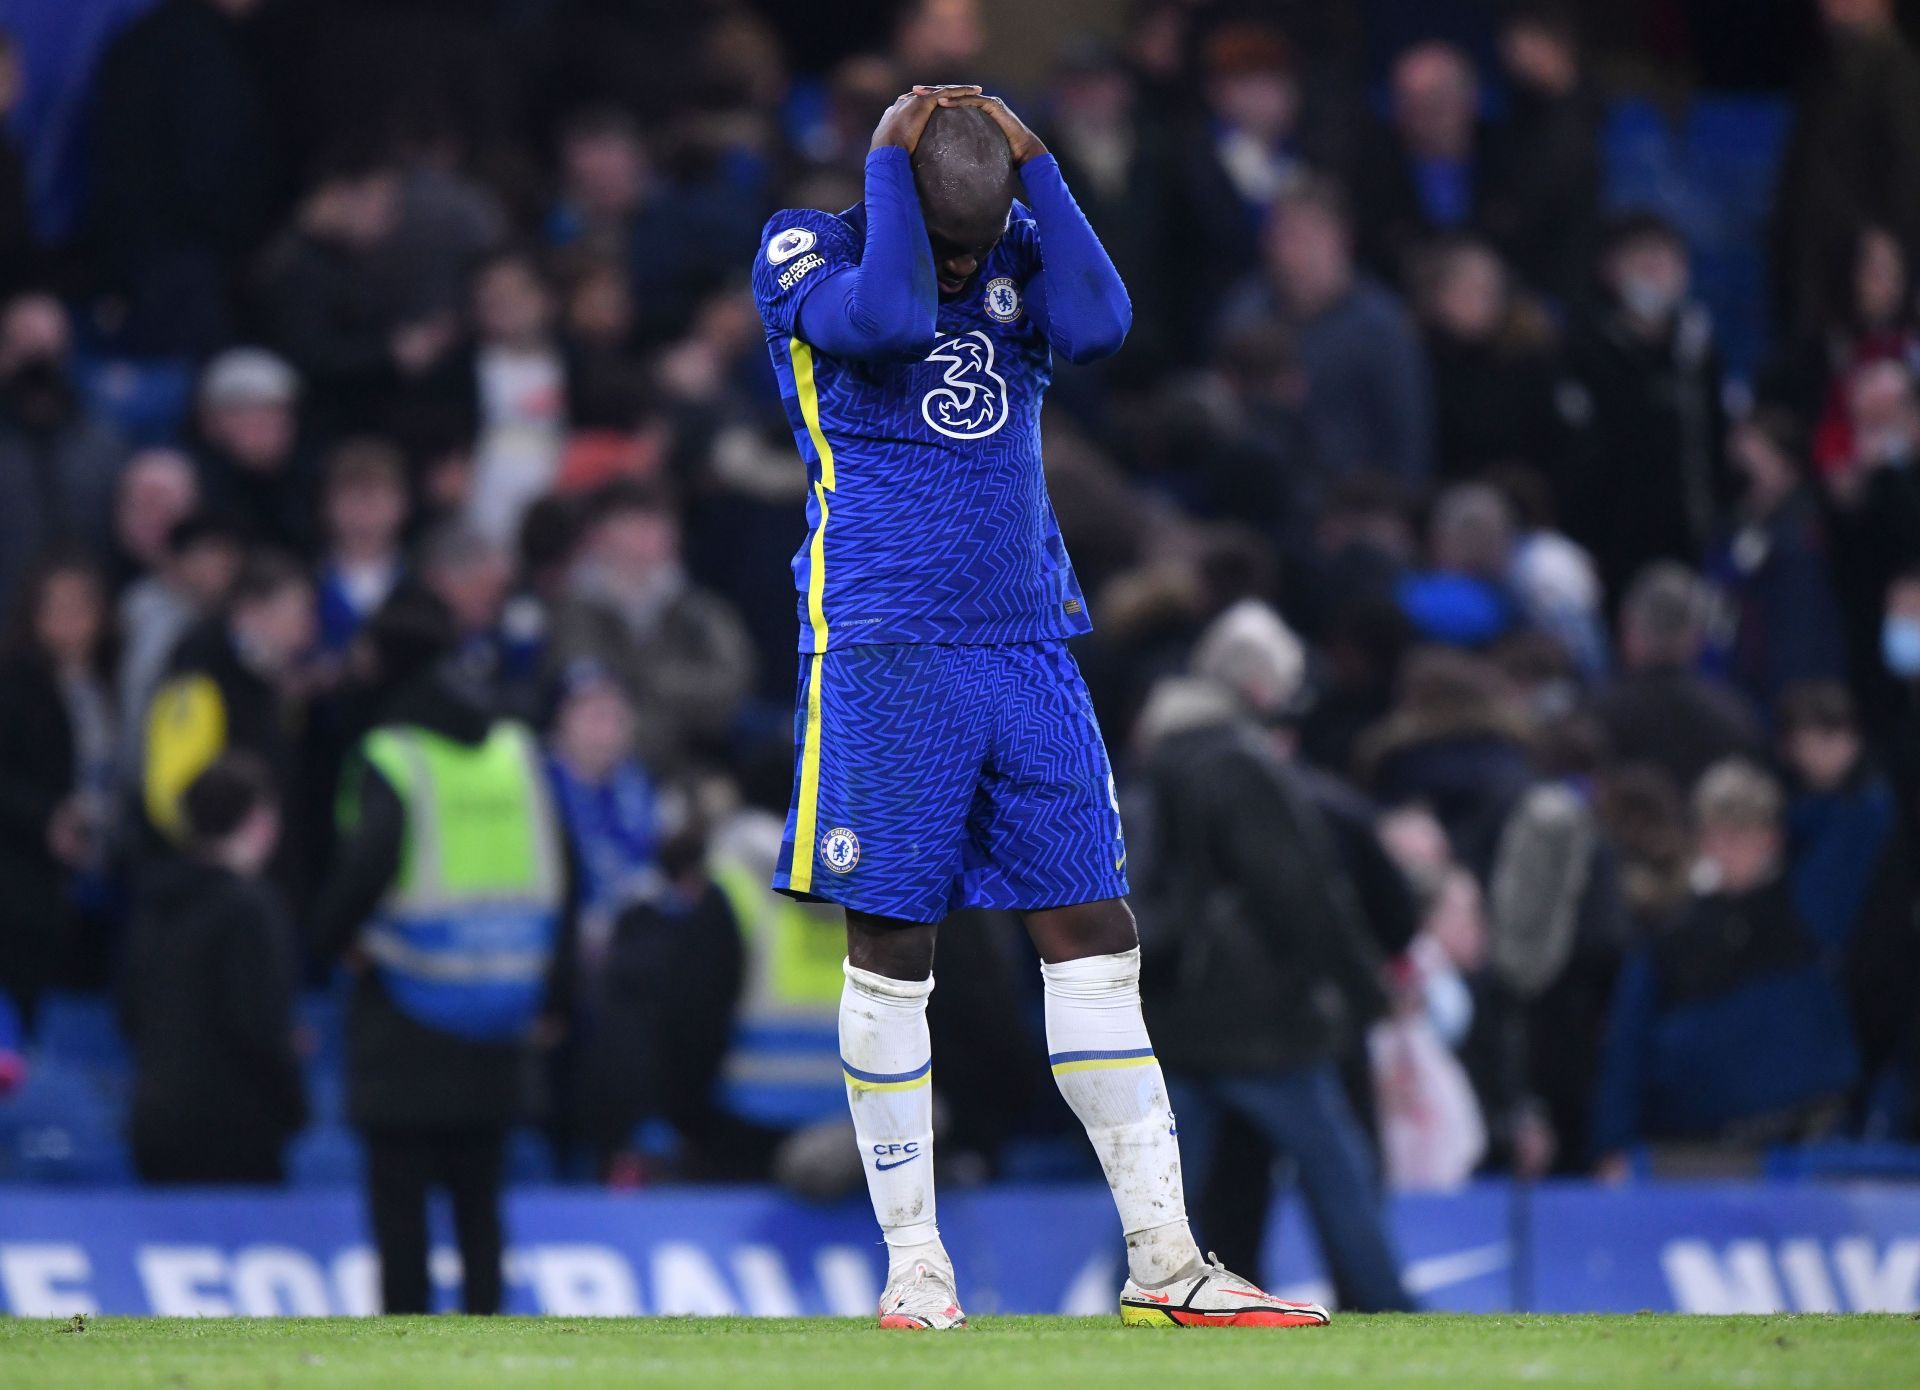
(807, 812)
(809, 392)
(817, 574)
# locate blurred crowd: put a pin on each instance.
(1518, 711)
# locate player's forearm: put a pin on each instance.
(1085, 304)
(885, 308)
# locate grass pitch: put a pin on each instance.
(1356, 1353)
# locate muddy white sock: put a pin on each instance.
(1104, 1065)
(888, 1061)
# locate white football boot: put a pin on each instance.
(1214, 1298)
(922, 1299)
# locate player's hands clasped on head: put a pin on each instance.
(906, 120)
(1024, 143)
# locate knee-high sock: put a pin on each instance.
(1104, 1065)
(888, 1060)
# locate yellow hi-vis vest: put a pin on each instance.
(466, 934)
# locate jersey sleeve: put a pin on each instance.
(798, 249)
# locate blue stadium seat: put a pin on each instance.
(1844, 1160)
(326, 1155)
(147, 400)
(80, 1029)
(61, 1128)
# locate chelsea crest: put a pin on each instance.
(840, 849)
(1002, 299)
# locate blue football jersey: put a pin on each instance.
(927, 508)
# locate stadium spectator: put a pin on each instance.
(679, 651)
(206, 994)
(1456, 742)
(1492, 356)
(519, 378)
(192, 582)
(603, 178)
(1260, 968)
(1725, 1029)
(459, 957)
(1119, 165)
(472, 576)
(1432, 168)
(1643, 477)
(1773, 569)
(1810, 375)
(363, 511)
(1237, 160)
(185, 172)
(1547, 202)
(158, 490)
(332, 300)
(252, 466)
(1661, 710)
(1463, 598)
(1876, 506)
(933, 39)
(57, 769)
(59, 466)
(606, 802)
(234, 684)
(1852, 160)
(1850, 866)
(1368, 399)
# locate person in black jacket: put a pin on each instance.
(434, 1091)
(235, 682)
(207, 994)
(184, 168)
(56, 767)
(1259, 968)
(1644, 475)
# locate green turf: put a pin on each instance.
(1356, 1353)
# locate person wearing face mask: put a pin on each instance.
(58, 469)
(1643, 477)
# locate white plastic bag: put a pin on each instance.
(1431, 1130)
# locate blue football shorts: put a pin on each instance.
(929, 778)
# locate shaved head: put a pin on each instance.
(963, 169)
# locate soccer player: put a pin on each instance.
(947, 751)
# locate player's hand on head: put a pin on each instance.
(906, 120)
(1024, 143)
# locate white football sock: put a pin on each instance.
(888, 1060)
(1104, 1065)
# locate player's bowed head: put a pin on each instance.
(965, 147)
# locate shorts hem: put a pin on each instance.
(914, 915)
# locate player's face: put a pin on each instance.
(958, 256)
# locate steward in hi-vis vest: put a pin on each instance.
(451, 898)
(466, 934)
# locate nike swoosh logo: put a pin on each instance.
(880, 1167)
(1156, 1297)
